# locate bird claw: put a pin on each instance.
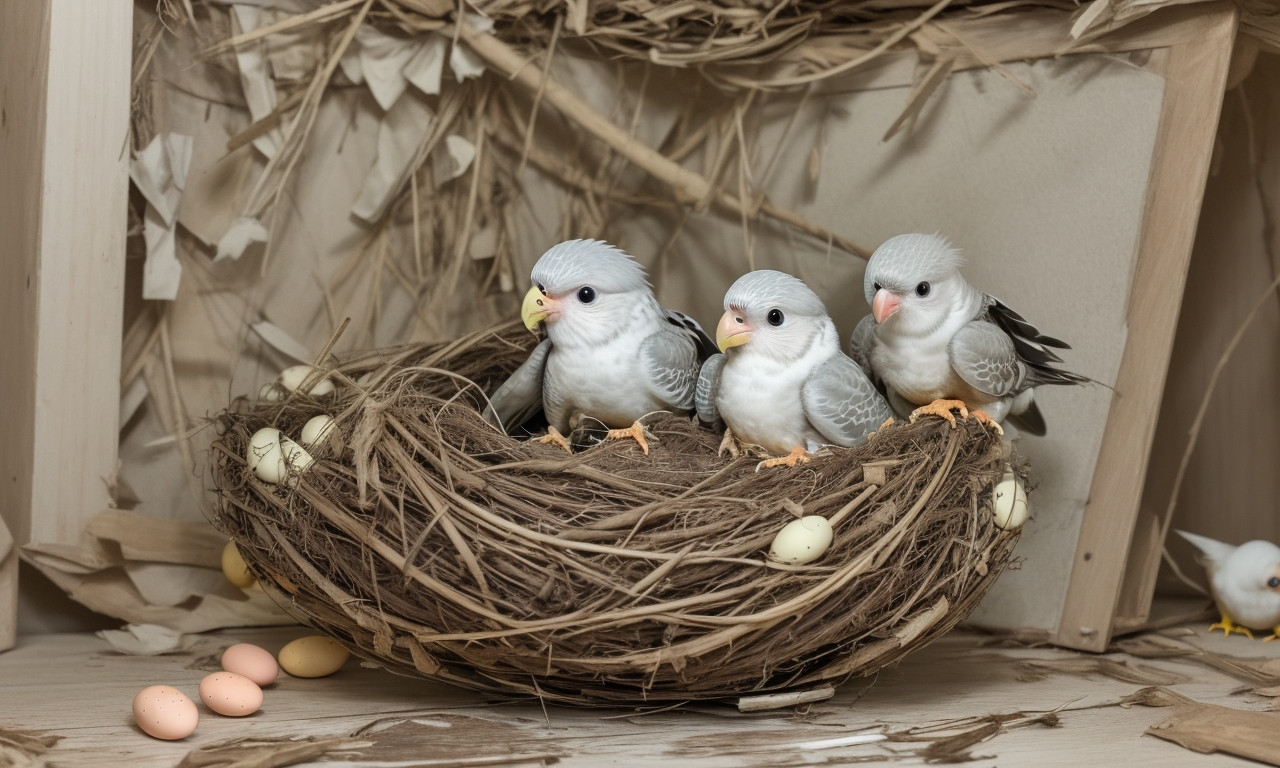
(636, 431)
(553, 436)
(797, 456)
(1275, 635)
(985, 418)
(1228, 627)
(889, 422)
(729, 445)
(943, 409)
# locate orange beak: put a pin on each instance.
(733, 330)
(884, 305)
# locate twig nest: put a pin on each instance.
(436, 546)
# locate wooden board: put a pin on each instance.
(75, 688)
(64, 126)
(1196, 74)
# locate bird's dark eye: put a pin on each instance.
(922, 290)
(775, 317)
(586, 294)
(876, 286)
(1273, 582)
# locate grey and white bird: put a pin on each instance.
(1245, 582)
(782, 382)
(611, 353)
(936, 343)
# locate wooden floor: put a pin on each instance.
(76, 688)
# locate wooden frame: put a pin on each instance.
(64, 154)
(1113, 538)
(64, 104)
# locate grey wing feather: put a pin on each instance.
(520, 396)
(985, 357)
(841, 402)
(708, 387)
(670, 357)
(861, 342)
(706, 347)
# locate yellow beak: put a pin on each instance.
(536, 307)
(732, 331)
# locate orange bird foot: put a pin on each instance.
(553, 436)
(942, 408)
(797, 456)
(984, 418)
(636, 431)
(887, 423)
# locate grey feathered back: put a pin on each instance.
(574, 263)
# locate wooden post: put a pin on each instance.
(1196, 76)
(64, 153)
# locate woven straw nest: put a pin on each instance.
(429, 542)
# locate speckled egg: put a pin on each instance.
(165, 712)
(252, 661)
(230, 694)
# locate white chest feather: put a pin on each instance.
(602, 381)
(759, 399)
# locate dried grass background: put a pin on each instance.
(440, 547)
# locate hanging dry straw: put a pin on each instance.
(427, 541)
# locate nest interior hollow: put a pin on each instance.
(426, 540)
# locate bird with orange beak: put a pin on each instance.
(937, 343)
(782, 382)
(612, 354)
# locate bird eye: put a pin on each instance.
(775, 317)
(876, 286)
(922, 290)
(1273, 582)
(586, 294)
(542, 290)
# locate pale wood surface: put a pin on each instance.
(75, 687)
(1195, 74)
(64, 121)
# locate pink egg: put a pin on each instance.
(230, 694)
(253, 662)
(165, 712)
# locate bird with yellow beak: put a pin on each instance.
(612, 354)
(782, 382)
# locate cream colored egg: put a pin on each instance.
(230, 694)
(293, 377)
(165, 712)
(235, 568)
(316, 431)
(296, 456)
(252, 661)
(313, 656)
(1009, 503)
(264, 455)
(802, 541)
(269, 393)
(272, 456)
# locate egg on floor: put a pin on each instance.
(252, 661)
(313, 656)
(164, 712)
(228, 693)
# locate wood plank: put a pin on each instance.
(64, 121)
(75, 687)
(1196, 73)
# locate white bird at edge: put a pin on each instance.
(1245, 582)
(938, 343)
(783, 383)
(611, 352)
